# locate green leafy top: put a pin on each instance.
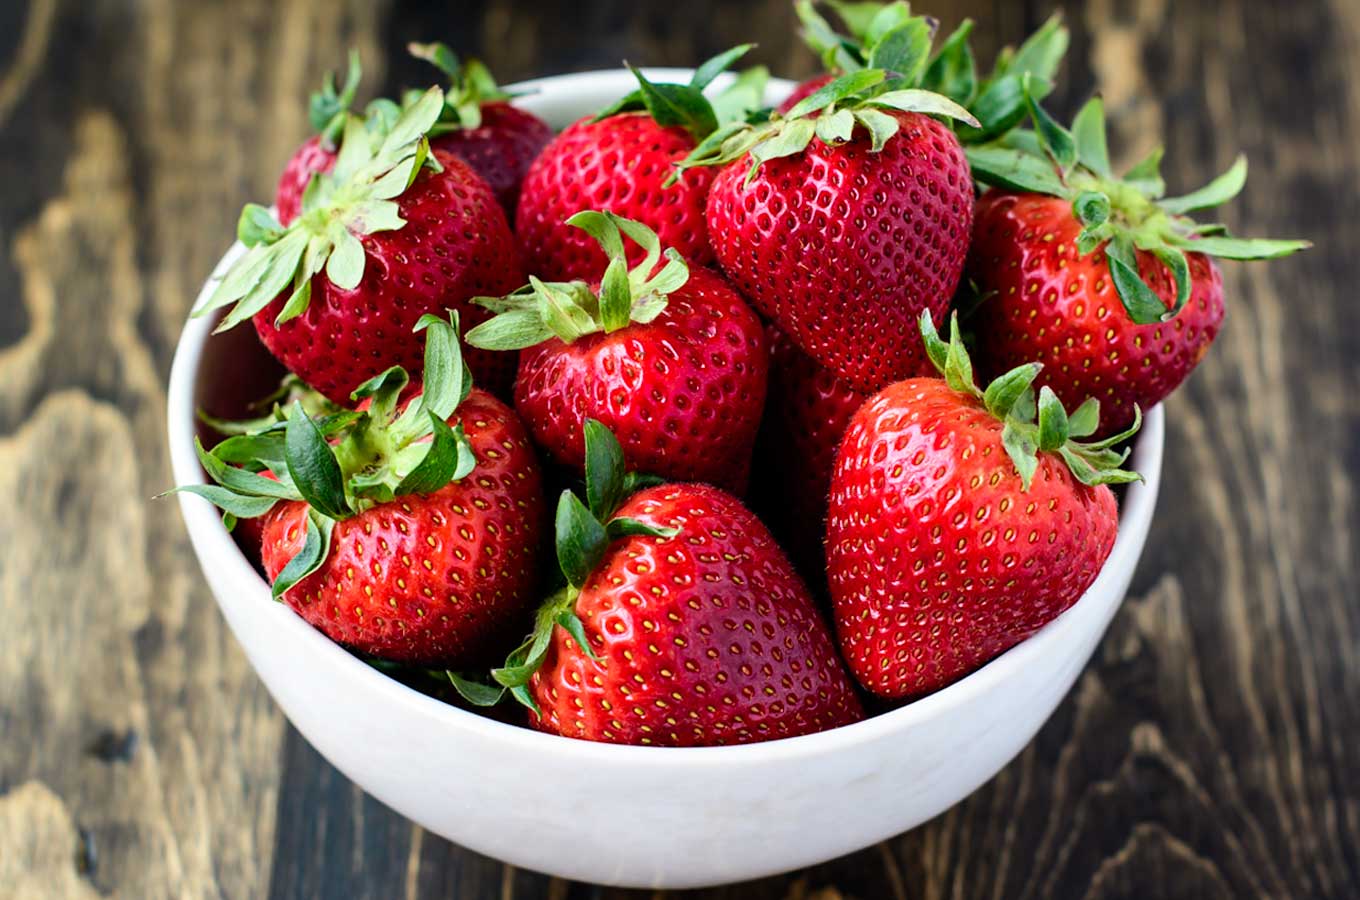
(1032, 426)
(356, 198)
(833, 112)
(570, 310)
(1122, 214)
(880, 31)
(584, 532)
(328, 107)
(470, 85)
(343, 463)
(686, 105)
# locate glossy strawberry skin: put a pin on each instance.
(1049, 305)
(806, 415)
(500, 149)
(455, 245)
(705, 638)
(683, 394)
(615, 165)
(937, 560)
(430, 579)
(844, 248)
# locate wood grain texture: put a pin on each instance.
(1209, 751)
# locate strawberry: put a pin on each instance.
(479, 125)
(673, 361)
(876, 31)
(620, 161)
(959, 525)
(1108, 284)
(391, 233)
(807, 412)
(680, 623)
(408, 534)
(849, 216)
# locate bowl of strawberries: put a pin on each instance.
(669, 477)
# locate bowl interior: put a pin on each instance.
(223, 373)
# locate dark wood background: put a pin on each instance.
(1212, 749)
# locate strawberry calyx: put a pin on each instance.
(570, 310)
(1033, 425)
(344, 463)
(471, 85)
(831, 114)
(328, 107)
(877, 29)
(1119, 214)
(585, 529)
(687, 106)
(355, 199)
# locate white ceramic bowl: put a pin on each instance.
(640, 816)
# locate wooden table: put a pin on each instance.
(1210, 751)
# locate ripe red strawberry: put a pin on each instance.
(848, 217)
(477, 124)
(402, 538)
(621, 161)
(418, 232)
(672, 361)
(682, 624)
(958, 526)
(1102, 280)
(806, 415)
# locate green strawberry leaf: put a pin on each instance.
(836, 90)
(604, 469)
(624, 526)
(1088, 133)
(1002, 394)
(448, 459)
(475, 692)
(1053, 427)
(1013, 170)
(241, 506)
(581, 539)
(953, 71)
(904, 49)
(1140, 301)
(1023, 451)
(314, 468)
(711, 68)
(1242, 248)
(572, 625)
(1217, 192)
(315, 548)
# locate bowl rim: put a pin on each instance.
(213, 542)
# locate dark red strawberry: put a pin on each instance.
(394, 533)
(682, 624)
(673, 361)
(479, 125)
(846, 220)
(958, 525)
(806, 414)
(1109, 285)
(391, 233)
(621, 161)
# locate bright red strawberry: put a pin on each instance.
(806, 415)
(672, 361)
(421, 233)
(848, 218)
(1098, 277)
(497, 140)
(388, 530)
(957, 525)
(682, 624)
(621, 161)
